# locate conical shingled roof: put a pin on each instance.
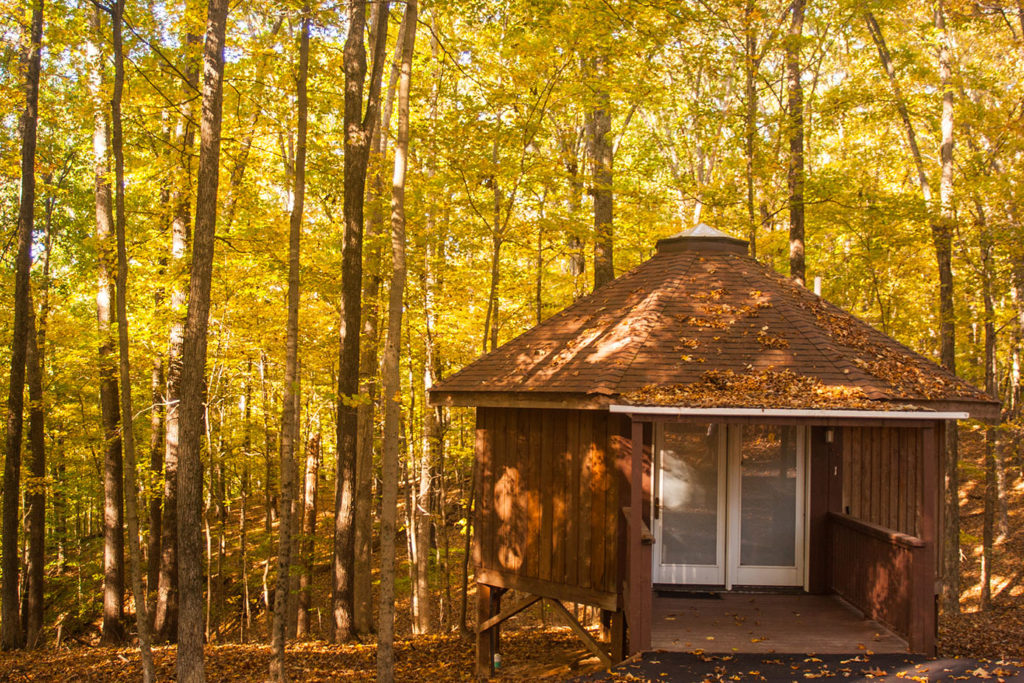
(702, 313)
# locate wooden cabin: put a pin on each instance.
(703, 422)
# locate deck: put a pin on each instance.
(766, 623)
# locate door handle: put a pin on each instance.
(657, 507)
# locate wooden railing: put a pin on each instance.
(885, 574)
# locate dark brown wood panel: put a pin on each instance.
(882, 475)
(546, 454)
(550, 493)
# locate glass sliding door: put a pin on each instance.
(689, 505)
(766, 505)
(728, 504)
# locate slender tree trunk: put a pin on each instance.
(310, 490)
(35, 497)
(467, 547)
(243, 515)
(165, 617)
(292, 377)
(900, 102)
(433, 417)
(127, 411)
(156, 466)
(992, 389)
(11, 633)
(751, 63)
(432, 450)
(942, 238)
(391, 389)
(190, 667)
(363, 615)
(795, 176)
(599, 141)
(421, 517)
(358, 135)
(35, 493)
(113, 495)
(269, 499)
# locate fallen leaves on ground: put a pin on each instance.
(525, 654)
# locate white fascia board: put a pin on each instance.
(789, 412)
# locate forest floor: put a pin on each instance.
(533, 646)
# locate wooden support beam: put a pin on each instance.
(581, 632)
(922, 624)
(509, 612)
(638, 580)
(484, 651)
(618, 636)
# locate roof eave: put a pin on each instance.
(515, 399)
(807, 413)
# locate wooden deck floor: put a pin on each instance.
(741, 622)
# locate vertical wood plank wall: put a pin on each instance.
(549, 505)
(882, 477)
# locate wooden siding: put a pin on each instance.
(882, 476)
(551, 485)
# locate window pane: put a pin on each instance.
(768, 515)
(689, 494)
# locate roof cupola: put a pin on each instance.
(702, 237)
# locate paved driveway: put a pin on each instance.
(689, 666)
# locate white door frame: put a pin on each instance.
(727, 570)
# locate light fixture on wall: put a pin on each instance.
(830, 436)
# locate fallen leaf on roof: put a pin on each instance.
(767, 388)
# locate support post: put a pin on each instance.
(922, 624)
(484, 650)
(618, 636)
(639, 579)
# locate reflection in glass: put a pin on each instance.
(689, 494)
(768, 509)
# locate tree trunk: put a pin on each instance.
(190, 667)
(292, 378)
(358, 135)
(795, 176)
(467, 547)
(156, 466)
(992, 389)
(310, 489)
(751, 63)
(31, 353)
(127, 411)
(244, 617)
(11, 633)
(363, 615)
(35, 491)
(599, 141)
(391, 384)
(165, 614)
(113, 495)
(269, 499)
(942, 238)
(432, 447)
